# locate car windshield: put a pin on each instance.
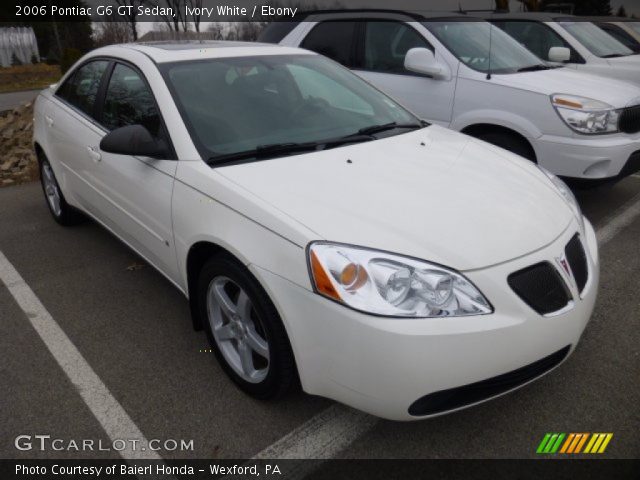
(595, 40)
(242, 104)
(635, 26)
(483, 46)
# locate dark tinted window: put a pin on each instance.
(622, 36)
(276, 31)
(537, 37)
(129, 101)
(387, 43)
(333, 40)
(81, 88)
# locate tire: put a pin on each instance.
(511, 143)
(248, 322)
(61, 211)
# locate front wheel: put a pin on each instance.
(244, 329)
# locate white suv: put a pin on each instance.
(574, 124)
(579, 44)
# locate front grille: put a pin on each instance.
(541, 287)
(577, 259)
(452, 398)
(630, 120)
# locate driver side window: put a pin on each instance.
(387, 43)
(129, 101)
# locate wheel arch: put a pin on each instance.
(477, 129)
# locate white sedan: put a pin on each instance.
(323, 234)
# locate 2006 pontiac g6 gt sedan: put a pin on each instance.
(323, 234)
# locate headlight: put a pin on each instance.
(392, 285)
(568, 195)
(585, 115)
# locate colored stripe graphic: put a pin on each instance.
(598, 442)
(573, 443)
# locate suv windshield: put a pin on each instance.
(469, 42)
(595, 40)
(278, 104)
(635, 26)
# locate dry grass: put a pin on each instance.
(28, 77)
(18, 162)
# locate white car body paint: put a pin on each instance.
(454, 200)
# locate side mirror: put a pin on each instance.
(422, 60)
(559, 54)
(133, 140)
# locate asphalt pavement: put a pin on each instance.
(133, 328)
(11, 100)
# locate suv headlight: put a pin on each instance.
(568, 195)
(587, 116)
(392, 285)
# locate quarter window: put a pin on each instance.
(129, 101)
(81, 89)
(386, 45)
(333, 39)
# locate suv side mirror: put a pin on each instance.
(559, 54)
(133, 140)
(422, 60)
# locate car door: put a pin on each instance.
(71, 129)
(384, 45)
(136, 191)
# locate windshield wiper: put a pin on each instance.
(387, 126)
(264, 151)
(615, 55)
(534, 68)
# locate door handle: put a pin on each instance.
(49, 120)
(94, 154)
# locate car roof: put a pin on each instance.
(173, 51)
(538, 16)
(609, 19)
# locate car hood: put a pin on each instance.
(631, 61)
(433, 194)
(617, 93)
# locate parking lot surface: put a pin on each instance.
(133, 329)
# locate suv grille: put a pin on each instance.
(577, 261)
(630, 120)
(541, 287)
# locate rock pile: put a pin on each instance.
(18, 162)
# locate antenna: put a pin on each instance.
(490, 46)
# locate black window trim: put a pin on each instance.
(96, 116)
(361, 31)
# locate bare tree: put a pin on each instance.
(196, 6)
(131, 14)
(109, 33)
(217, 31)
(176, 22)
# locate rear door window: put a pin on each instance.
(333, 39)
(81, 88)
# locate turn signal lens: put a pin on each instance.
(321, 280)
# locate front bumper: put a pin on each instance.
(383, 365)
(589, 157)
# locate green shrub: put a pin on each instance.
(15, 61)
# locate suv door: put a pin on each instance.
(135, 191)
(384, 47)
(73, 132)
